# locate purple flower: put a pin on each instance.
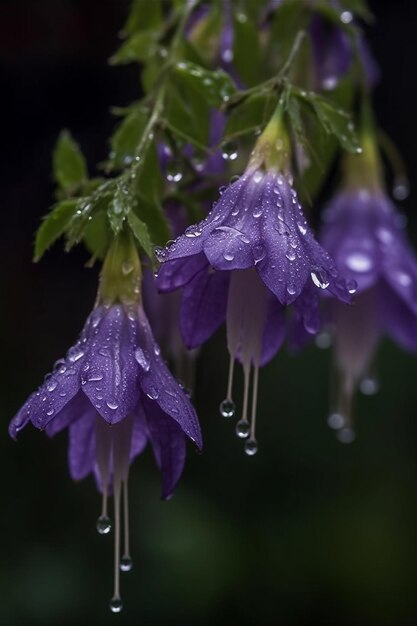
(114, 393)
(253, 255)
(365, 234)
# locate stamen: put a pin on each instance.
(116, 604)
(243, 426)
(227, 407)
(103, 445)
(251, 445)
(126, 562)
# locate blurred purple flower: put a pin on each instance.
(253, 255)
(114, 393)
(365, 234)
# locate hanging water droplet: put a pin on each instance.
(126, 563)
(227, 408)
(351, 286)
(323, 340)
(345, 435)
(369, 386)
(401, 188)
(160, 253)
(116, 605)
(229, 151)
(142, 359)
(242, 429)
(103, 525)
(112, 404)
(336, 421)
(251, 447)
(320, 279)
(173, 171)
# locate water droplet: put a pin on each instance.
(103, 525)
(173, 171)
(112, 404)
(251, 447)
(127, 267)
(227, 408)
(259, 253)
(126, 563)
(157, 349)
(50, 412)
(95, 378)
(369, 386)
(116, 605)
(291, 255)
(329, 82)
(229, 151)
(291, 289)
(401, 188)
(160, 253)
(242, 429)
(346, 17)
(323, 340)
(257, 177)
(153, 393)
(346, 435)
(320, 279)
(51, 385)
(351, 286)
(404, 279)
(302, 227)
(336, 421)
(227, 55)
(142, 359)
(359, 262)
(258, 210)
(74, 354)
(193, 231)
(228, 256)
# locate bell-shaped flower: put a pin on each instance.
(364, 232)
(114, 393)
(251, 257)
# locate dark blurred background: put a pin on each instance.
(307, 532)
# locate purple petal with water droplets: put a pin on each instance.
(110, 377)
(274, 330)
(158, 383)
(177, 273)
(203, 306)
(72, 411)
(168, 442)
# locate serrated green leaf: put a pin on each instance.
(139, 47)
(69, 166)
(141, 232)
(215, 87)
(126, 139)
(143, 15)
(334, 120)
(250, 116)
(53, 226)
(97, 235)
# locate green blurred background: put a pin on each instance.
(309, 531)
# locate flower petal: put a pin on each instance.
(177, 273)
(398, 319)
(203, 306)
(158, 383)
(168, 442)
(274, 329)
(82, 445)
(110, 370)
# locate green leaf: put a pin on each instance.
(144, 15)
(250, 116)
(334, 120)
(149, 182)
(139, 47)
(152, 214)
(141, 232)
(126, 139)
(215, 87)
(246, 49)
(119, 207)
(54, 226)
(187, 115)
(96, 235)
(69, 166)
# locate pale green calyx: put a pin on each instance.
(121, 275)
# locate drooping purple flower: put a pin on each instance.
(250, 258)
(333, 51)
(364, 233)
(114, 393)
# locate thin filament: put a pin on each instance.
(254, 401)
(230, 379)
(126, 551)
(246, 374)
(116, 500)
